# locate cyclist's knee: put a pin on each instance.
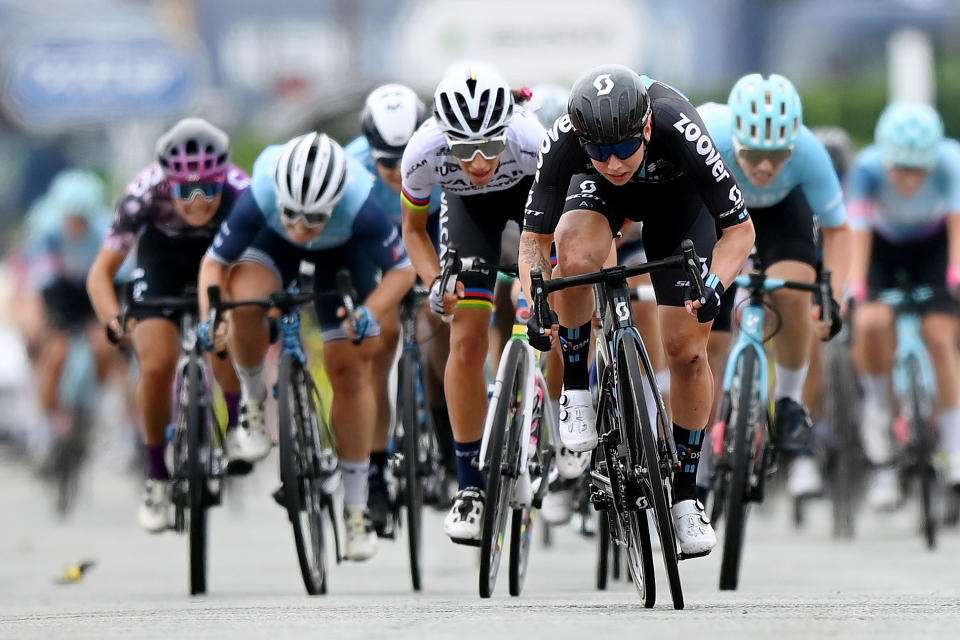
(872, 319)
(348, 376)
(686, 356)
(157, 367)
(469, 349)
(246, 319)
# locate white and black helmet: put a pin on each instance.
(390, 116)
(472, 101)
(311, 175)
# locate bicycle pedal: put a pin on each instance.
(280, 496)
(239, 467)
(468, 542)
(689, 556)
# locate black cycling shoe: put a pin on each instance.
(793, 427)
(378, 504)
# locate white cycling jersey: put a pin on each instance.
(427, 161)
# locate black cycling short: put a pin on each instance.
(918, 262)
(67, 305)
(273, 251)
(474, 224)
(671, 212)
(786, 231)
(166, 266)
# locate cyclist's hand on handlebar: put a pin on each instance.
(541, 338)
(443, 303)
(120, 336)
(831, 325)
(367, 324)
(706, 308)
(210, 339)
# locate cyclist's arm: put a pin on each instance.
(837, 245)
(534, 253)
(862, 212)
(953, 239)
(732, 250)
(234, 236)
(418, 242)
(103, 297)
(380, 240)
(861, 247)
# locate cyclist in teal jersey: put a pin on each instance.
(792, 191)
(904, 201)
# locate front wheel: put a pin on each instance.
(521, 533)
(198, 442)
(410, 445)
(300, 449)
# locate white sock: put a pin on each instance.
(355, 483)
(876, 389)
(252, 386)
(790, 383)
(949, 423)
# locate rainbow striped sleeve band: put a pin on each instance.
(416, 204)
(476, 299)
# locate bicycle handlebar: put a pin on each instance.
(453, 265)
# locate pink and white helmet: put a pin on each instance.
(194, 151)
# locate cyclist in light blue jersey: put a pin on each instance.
(904, 201)
(307, 201)
(390, 116)
(791, 189)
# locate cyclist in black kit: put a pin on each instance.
(632, 147)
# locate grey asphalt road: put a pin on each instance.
(794, 584)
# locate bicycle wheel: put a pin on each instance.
(737, 497)
(521, 533)
(503, 449)
(197, 439)
(410, 466)
(923, 443)
(641, 438)
(299, 471)
(603, 551)
(843, 416)
(68, 455)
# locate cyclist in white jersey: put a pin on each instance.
(483, 153)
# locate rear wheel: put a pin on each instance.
(743, 451)
(300, 471)
(503, 450)
(521, 533)
(197, 446)
(843, 417)
(412, 488)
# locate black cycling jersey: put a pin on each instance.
(680, 152)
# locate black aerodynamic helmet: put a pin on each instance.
(608, 104)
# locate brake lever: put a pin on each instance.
(213, 315)
(691, 264)
(348, 296)
(452, 266)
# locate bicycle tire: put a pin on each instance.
(521, 535)
(921, 430)
(69, 452)
(628, 358)
(302, 492)
(504, 438)
(196, 480)
(842, 416)
(603, 551)
(738, 496)
(410, 445)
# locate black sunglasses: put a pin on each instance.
(389, 162)
(623, 149)
(756, 156)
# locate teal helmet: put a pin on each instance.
(77, 192)
(766, 112)
(909, 134)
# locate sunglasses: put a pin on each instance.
(388, 162)
(757, 156)
(311, 220)
(467, 150)
(623, 149)
(187, 191)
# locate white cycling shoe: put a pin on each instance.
(804, 477)
(571, 464)
(694, 531)
(465, 518)
(883, 493)
(248, 441)
(155, 507)
(578, 420)
(557, 506)
(361, 534)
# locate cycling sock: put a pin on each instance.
(378, 465)
(233, 408)
(876, 389)
(252, 386)
(156, 465)
(688, 451)
(790, 383)
(575, 343)
(355, 483)
(468, 464)
(949, 422)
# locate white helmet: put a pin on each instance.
(472, 101)
(390, 116)
(311, 175)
